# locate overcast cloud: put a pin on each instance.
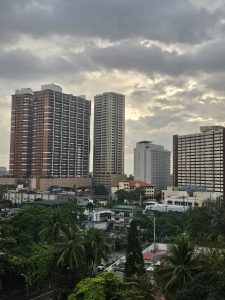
(166, 56)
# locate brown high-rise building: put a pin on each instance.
(58, 136)
(21, 133)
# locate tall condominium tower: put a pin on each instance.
(152, 164)
(109, 119)
(21, 133)
(199, 159)
(56, 136)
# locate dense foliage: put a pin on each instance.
(134, 260)
(109, 286)
(47, 248)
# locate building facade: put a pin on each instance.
(109, 124)
(152, 165)
(57, 134)
(198, 159)
(131, 185)
(21, 133)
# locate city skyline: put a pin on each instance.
(169, 63)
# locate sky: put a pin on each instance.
(166, 56)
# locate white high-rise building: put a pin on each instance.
(152, 164)
(109, 123)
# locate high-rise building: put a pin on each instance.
(199, 159)
(109, 123)
(21, 133)
(57, 138)
(152, 164)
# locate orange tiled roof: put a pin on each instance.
(140, 183)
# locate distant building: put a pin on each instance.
(175, 196)
(50, 134)
(108, 156)
(3, 171)
(199, 159)
(152, 164)
(130, 185)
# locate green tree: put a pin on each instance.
(122, 195)
(90, 208)
(179, 266)
(71, 249)
(100, 190)
(41, 266)
(105, 286)
(96, 247)
(200, 221)
(206, 285)
(137, 287)
(53, 231)
(134, 259)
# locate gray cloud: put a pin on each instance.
(166, 56)
(161, 20)
(150, 60)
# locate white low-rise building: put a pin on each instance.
(174, 196)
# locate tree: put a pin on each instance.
(206, 285)
(100, 190)
(199, 221)
(72, 249)
(53, 231)
(138, 287)
(96, 247)
(122, 195)
(41, 266)
(105, 286)
(90, 208)
(179, 266)
(134, 258)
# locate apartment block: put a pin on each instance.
(56, 134)
(21, 133)
(198, 159)
(108, 156)
(152, 165)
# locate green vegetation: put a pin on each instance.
(134, 260)
(109, 286)
(50, 248)
(100, 190)
(177, 267)
(47, 248)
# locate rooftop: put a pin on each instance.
(140, 183)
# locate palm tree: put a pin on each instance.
(53, 232)
(71, 249)
(97, 248)
(179, 266)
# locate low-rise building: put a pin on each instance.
(175, 196)
(130, 185)
(122, 216)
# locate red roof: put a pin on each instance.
(148, 255)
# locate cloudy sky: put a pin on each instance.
(166, 56)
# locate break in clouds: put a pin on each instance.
(166, 56)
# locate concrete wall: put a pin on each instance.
(41, 184)
(8, 180)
